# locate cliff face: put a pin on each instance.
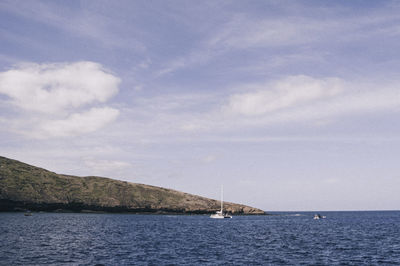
(23, 186)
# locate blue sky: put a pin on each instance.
(291, 105)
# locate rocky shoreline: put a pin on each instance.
(16, 206)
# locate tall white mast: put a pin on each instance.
(222, 198)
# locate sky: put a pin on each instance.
(290, 105)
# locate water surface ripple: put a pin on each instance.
(351, 238)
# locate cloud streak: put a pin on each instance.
(305, 99)
(85, 23)
(291, 99)
(287, 93)
(237, 32)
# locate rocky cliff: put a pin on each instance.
(24, 186)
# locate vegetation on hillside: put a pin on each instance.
(23, 186)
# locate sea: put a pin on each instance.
(343, 238)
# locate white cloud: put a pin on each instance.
(56, 100)
(52, 88)
(294, 99)
(292, 91)
(305, 99)
(78, 123)
(309, 100)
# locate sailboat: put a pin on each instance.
(220, 214)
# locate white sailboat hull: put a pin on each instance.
(219, 216)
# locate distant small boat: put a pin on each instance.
(220, 214)
(319, 216)
(28, 214)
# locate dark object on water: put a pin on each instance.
(318, 216)
(28, 214)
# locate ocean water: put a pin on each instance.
(346, 238)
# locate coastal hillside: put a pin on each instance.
(26, 187)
